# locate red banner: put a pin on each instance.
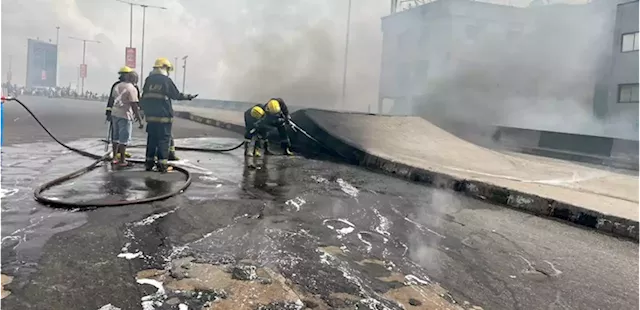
(130, 57)
(43, 75)
(83, 71)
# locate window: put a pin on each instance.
(630, 42)
(628, 93)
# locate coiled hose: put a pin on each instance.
(99, 159)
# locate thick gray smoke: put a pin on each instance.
(541, 76)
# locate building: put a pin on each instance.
(616, 97)
(470, 59)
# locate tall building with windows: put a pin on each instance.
(484, 54)
(617, 91)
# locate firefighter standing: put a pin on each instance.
(157, 93)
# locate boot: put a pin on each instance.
(267, 151)
(172, 156)
(148, 165)
(286, 148)
(247, 148)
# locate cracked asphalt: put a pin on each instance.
(329, 235)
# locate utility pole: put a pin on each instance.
(9, 73)
(346, 54)
(57, 52)
(184, 72)
(175, 73)
(131, 4)
(144, 16)
(84, 53)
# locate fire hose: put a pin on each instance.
(38, 192)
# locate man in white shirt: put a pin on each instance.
(125, 110)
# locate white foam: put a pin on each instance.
(152, 218)
(109, 307)
(369, 246)
(183, 307)
(296, 202)
(207, 178)
(130, 255)
(348, 188)
(150, 301)
(8, 192)
(413, 280)
(319, 179)
(341, 231)
(385, 224)
(187, 164)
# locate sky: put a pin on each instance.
(245, 50)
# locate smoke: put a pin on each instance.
(541, 74)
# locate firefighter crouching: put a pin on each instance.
(278, 116)
(258, 122)
(157, 93)
(255, 131)
(123, 73)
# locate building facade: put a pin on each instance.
(476, 59)
(616, 96)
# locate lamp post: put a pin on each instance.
(84, 53)
(346, 54)
(57, 52)
(144, 16)
(184, 72)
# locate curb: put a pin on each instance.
(209, 121)
(514, 199)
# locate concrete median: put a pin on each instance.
(414, 149)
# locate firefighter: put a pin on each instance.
(278, 116)
(123, 72)
(255, 130)
(157, 93)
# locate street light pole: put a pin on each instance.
(184, 72)
(346, 54)
(84, 53)
(175, 73)
(131, 4)
(144, 15)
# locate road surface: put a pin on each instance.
(330, 235)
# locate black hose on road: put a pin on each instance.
(99, 159)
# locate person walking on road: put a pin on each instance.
(124, 111)
(157, 92)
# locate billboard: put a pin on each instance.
(83, 71)
(42, 64)
(130, 57)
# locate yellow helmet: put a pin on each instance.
(257, 112)
(163, 63)
(124, 70)
(273, 106)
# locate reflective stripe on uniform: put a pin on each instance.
(164, 161)
(155, 119)
(108, 109)
(172, 149)
(154, 96)
(150, 159)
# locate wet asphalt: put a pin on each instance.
(278, 216)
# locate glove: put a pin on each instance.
(191, 97)
(108, 114)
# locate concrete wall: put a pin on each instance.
(624, 67)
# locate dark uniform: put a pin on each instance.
(255, 127)
(279, 120)
(157, 93)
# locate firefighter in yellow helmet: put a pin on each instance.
(255, 131)
(277, 115)
(122, 76)
(157, 92)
